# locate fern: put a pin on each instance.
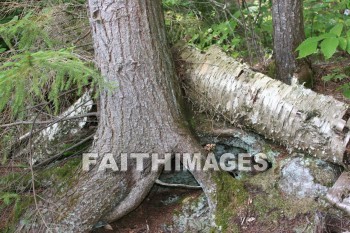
(8, 197)
(40, 75)
(33, 70)
(24, 33)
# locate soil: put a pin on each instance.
(332, 87)
(153, 214)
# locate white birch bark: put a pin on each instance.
(291, 115)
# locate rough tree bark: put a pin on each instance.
(217, 83)
(142, 115)
(288, 25)
(294, 116)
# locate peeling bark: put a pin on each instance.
(294, 116)
(56, 135)
(339, 194)
(142, 115)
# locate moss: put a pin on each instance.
(62, 176)
(193, 122)
(347, 70)
(52, 176)
(270, 205)
(74, 149)
(15, 211)
(271, 70)
(8, 179)
(15, 181)
(231, 194)
(23, 203)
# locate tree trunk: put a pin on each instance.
(141, 115)
(288, 33)
(294, 116)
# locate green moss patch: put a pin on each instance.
(231, 195)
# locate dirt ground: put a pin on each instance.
(153, 213)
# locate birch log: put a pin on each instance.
(62, 133)
(291, 115)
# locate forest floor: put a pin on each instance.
(331, 88)
(153, 214)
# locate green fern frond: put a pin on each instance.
(24, 33)
(7, 198)
(30, 76)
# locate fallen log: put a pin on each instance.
(294, 116)
(58, 136)
(339, 194)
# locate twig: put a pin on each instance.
(185, 186)
(48, 122)
(59, 155)
(33, 177)
(82, 37)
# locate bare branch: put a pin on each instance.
(48, 122)
(59, 155)
(159, 182)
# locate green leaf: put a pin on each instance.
(15, 18)
(329, 46)
(342, 43)
(337, 29)
(326, 35)
(2, 50)
(340, 76)
(309, 46)
(346, 92)
(328, 77)
(348, 47)
(347, 22)
(25, 74)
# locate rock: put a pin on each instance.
(178, 177)
(192, 217)
(307, 177)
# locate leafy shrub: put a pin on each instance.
(321, 15)
(327, 42)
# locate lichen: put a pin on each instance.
(270, 205)
(193, 216)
